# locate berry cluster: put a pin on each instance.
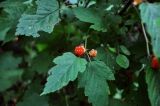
(81, 50)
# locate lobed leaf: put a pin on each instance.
(46, 17)
(94, 82)
(67, 68)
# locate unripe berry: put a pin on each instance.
(155, 63)
(136, 2)
(93, 53)
(79, 50)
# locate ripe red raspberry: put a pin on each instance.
(79, 50)
(93, 53)
(155, 63)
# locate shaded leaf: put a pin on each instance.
(14, 9)
(41, 66)
(8, 61)
(90, 16)
(34, 100)
(9, 77)
(108, 57)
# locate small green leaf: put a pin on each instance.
(47, 16)
(122, 61)
(153, 82)
(125, 50)
(94, 82)
(67, 68)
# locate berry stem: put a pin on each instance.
(88, 57)
(85, 45)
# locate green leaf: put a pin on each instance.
(153, 80)
(46, 17)
(94, 82)
(40, 66)
(9, 77)
(122, 61)
(34, 100)
(149, 14)
(125, 50)
(67, 68)
(90, 16)
(8, 61)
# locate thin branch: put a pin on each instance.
(145, 34)
(86, 39)
(146, 39)
(85, 44)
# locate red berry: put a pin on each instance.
(93, 53)
(155, 63)
(79, 50)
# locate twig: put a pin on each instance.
(86, 38)
(145, 34)
(146, 39)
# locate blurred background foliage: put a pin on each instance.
(25, 60)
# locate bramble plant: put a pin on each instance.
(79, 53)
